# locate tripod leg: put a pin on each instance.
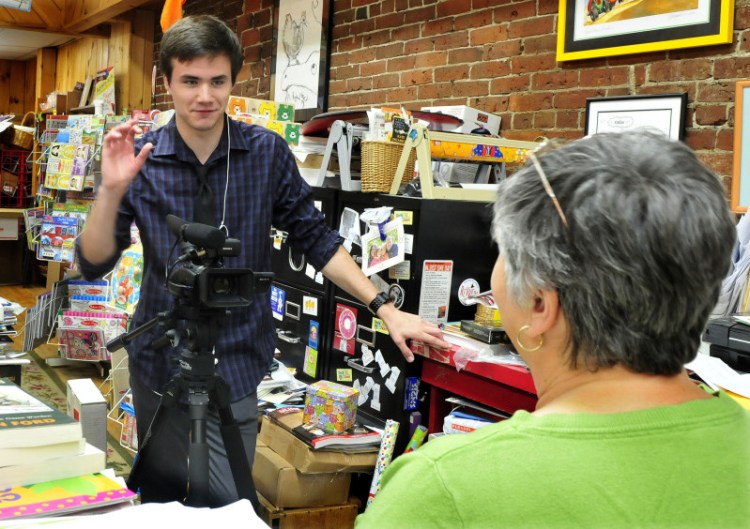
(198, 451)
(169, 399)
(234, 445)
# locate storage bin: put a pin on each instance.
(379, 162)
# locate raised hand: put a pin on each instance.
(120, 164)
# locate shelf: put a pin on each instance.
(502, 387)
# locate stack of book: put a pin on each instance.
(39, 443)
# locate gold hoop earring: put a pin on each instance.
(522, 346)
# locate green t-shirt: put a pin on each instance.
(683, 466)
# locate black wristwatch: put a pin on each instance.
(380, 300)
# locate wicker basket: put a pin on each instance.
(379, 163)
(23, 135)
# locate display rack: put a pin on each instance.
(457, 147)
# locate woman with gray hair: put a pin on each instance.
(612, 251)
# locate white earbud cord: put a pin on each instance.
(223, 226)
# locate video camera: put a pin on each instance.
(198, 276)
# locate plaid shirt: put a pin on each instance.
(265, 189)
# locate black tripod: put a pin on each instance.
(197, 379)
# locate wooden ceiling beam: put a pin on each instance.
(82, 15)
(70, 17)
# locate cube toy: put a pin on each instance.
(330, 406)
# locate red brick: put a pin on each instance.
(430, 59)
(420, 45)
(541, 44)
(513, 11)
(604, 76)
(452, 41)
(488, 35)
(502, 50)
(464, 55)
(732, 68)
(400, 64)
(491, 70)
(533, 63)
(416, 77)
(530, 101)
(684, 69)
(422, 14)
(392, 20)
(473, 19)
(536, 26)
(719, 92)
(554, 80)
(711, 115)
(701, 139)
(437, 27)
(373, 68)
(510, 84)
(389, 80)
(395, 51)
(447, 8)
(452, 73)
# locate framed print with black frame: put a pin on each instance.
(663, 113)
(604, 28)
(740, 192)
(301, 51)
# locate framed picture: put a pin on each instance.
(740, 192)
(603, 28)
(663, 113)
(299, 65)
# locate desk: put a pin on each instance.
(503, 387)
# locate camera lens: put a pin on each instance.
(222, 285)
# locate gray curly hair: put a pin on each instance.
(640, 265)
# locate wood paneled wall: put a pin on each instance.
(129, 49)
(17, 81)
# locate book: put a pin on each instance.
(56, 497)
(356, 437)
(485, 333)
(27, 421)
(19, 455)
(87, 405)
(89, 461)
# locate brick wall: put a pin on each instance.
(497, 55)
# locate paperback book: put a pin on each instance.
(27, 421)
(53, 498)
(89, 461)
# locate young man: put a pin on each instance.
(255, 184)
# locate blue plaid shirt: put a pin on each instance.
(265, 189)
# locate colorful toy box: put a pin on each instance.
(332, 406)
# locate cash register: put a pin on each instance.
(729, 337)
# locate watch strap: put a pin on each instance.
(380, 300)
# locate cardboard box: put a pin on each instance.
(331, 406)
(475, 121)
(87, 405)
(305, 459)
(285, 486)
